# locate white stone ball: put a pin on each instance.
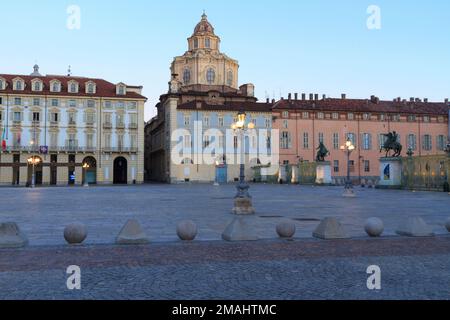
(75, 233)
(374, 227)
(286, 230)
(447, 225)
(187, 230)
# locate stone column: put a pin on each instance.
(295, 173)
(46, 175)
(390, 173)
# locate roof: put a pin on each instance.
(228, 106)
(361, 105)
(104, 88)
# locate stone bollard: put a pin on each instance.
(370, 184)
(11, 236)
(329, 229)
(363, 183)
(415, 227)
(374, 227)
(187, 230)
(75, 233)
(132, 234)
(286, 230)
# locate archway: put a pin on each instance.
(34, 164)
(90, 172)
(120, 170)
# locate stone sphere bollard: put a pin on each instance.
(374, 227)
(286, 230)
(75, 233)
(187, 230)
(447, 225)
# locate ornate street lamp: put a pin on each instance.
(85, 167)
(243, 202)
(33, 161)
(348, 148)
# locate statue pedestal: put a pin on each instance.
(295, 173)
(323, 173)
(243, 206)
(390, 173)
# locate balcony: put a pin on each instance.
(120, 125)
(17, 123)
(72, 123)
(90, 124)
(107, 125)
(54, 124)
(133, 126)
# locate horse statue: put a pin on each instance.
(322, 153)
(392, 144)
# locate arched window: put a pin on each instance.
(1, 84)
(90, 88)
(210, 76)
(195, 43)
(55, 87)
(187, 76)
(19, 85)
(230, 78)
(208, 43)
(73, 88)
(37, 86)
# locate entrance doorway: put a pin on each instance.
(221, 174)
(37, 170)
(120, 170)
(90, 173)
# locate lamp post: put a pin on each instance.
(243, 203)
(33, 161)
(85, 167)
(348, 148)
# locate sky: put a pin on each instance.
(320, 46)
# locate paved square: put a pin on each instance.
(43, 213)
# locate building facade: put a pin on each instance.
(422, 127)
(65, 123)
(203, 95)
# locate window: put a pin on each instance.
(285, 114)
(17, 116)
(90, 118)
(19, 85)
(53, 140)
(187, 76)
(286, 142)
(133, 141)
(335, 116)
(89, 140)
(36, 116)
(54, 117)
(1, 100)
(305, 115)
(411, 118)
(206, 141)
(412, 142)
(107, 118)
(73, 88)
(208, 43)
(268, 123)
(133, 119)
(210, 76)
(37, 86)
(366, 165)
(72, 104)
(120, 143)
(441, 143)
(396, 117)
(1, 84)
(221, 122)
(119, 120)
(440, 119)
(72, 117)
(195, 43)
(108, 104)
(55, 102)
(320, 115)
(336, 166)
(367, 116)
(427, 143)
(336, 141)
(55, 87)
(321, 139)
(91, 88)
(91, 104)
(352, 138)
(367, 141)
(350, 116)
(107, 140)
(206, 121)
(381, 140)
(352, 165)
(36, 102)
(187, 120)
(426, 119)
(382, 117)
(285, 124)
(305, 140)
(121, 90)
(17, 101)
(1, 116)
(230, 78)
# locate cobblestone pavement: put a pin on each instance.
(43, 213)
(274, 269)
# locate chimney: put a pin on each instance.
(324, 96)
(303, 96)
(290, 96)
(343, 96)
(311, 96)
(316, 96)
(399, 99)
(267, 100)
(273, 101)
(425, 100)
(296, 96)
(411, 99)
(446, 100)
(418, 100)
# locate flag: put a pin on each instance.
(4, 139)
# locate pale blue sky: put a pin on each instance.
(320, 46)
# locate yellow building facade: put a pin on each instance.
(66, 130)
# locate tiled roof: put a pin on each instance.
(104, 88)
(228, 106)
(360, 105)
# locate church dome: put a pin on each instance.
(204, 26)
